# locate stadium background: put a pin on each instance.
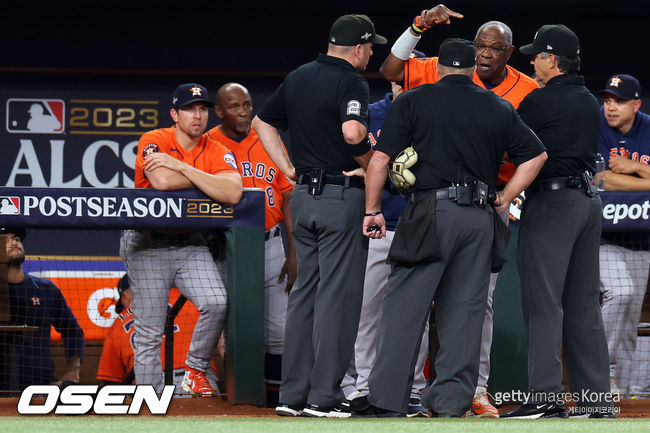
(135, 50)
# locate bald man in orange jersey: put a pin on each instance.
(494, 47)
(235, 109)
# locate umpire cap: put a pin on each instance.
(457, 53)
(350, 30)
(18, 231)
(555, 39)
(122, 286)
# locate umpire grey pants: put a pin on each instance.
(458, 283)
(325, 302)
(557, 256)
(154, 266)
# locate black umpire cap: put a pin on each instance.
(555, 39)
(350, 30)
(18, 231)
(122, 286)
(457, 53)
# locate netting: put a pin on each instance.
(65, 307)
(624, 268)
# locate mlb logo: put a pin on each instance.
(9, 205)
(35, 116)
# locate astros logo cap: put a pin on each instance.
(624, 86)
(188, 93)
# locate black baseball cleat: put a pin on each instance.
(288, 410)
(341, 410)
(363, 409)
(534, 411)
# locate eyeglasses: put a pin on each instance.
(496, 49)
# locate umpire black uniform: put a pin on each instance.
(442, 248)
(559, 236)
(316, 102)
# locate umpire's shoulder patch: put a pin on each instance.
(149, 149)
(354, 107)
(230, 160)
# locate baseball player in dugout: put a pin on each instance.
(235, 109)
(175, 158)
(445, 241)
(116, 362)
(37, 302)
(559, 235)
(624, 257)
(494, 46)
(330, 96)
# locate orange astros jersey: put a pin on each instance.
(513, 89)
(117, 355)
(257, 171)
(208, 156)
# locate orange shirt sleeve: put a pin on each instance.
(158, 140)
(420, 71)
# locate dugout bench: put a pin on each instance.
(121, 208)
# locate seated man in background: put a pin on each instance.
(116, 362)
(38, 302)
(624, 257)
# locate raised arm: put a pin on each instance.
(393, 67)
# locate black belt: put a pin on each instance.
(442, 194)
(557, 183)
(345, 181)
(271, 233)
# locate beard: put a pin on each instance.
(16, 261)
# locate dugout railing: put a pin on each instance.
(121, 208)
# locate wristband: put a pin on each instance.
(404, 45)
(372, 213)
(419, 25)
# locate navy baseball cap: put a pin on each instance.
(122, 286)
(350, 30)
(457, 53)
(555, 39)
(624, 86)
(188, 93)
(18, 231)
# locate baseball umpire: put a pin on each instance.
(442, 247)
(494, 47)
(559, 236)
(235, 109)
(324, 104)
(174, 158)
